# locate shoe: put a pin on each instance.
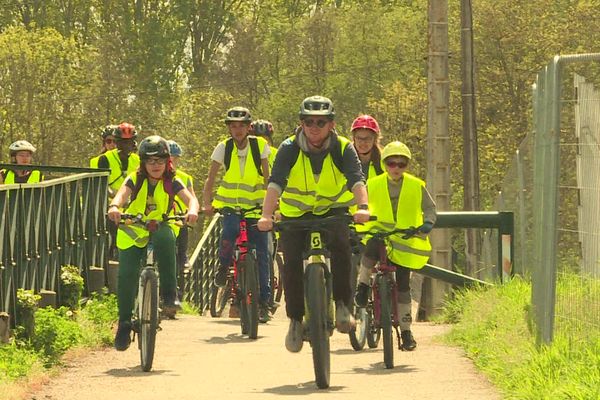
(171, 302)
(123, 336)
(264, 314)
(361, 297)
(293, 339)
(408, 341)
(344, 321)
(221, 277)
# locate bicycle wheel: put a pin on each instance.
(250, 295)
(373, 332)
(219, 297)
(148, 317)
(278, 277)
(358, 335)
(317, 304)
(386, 321)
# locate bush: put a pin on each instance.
(99, 314)
(27, 303)
(55, 333)
(71, 286)
(16, 362)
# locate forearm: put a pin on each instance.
(360, 193)
(121, 197)
(270, 202)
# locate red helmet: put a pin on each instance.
(125, 131)
(365, 122)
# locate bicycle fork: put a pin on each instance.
(394, 299)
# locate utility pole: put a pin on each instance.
(469, 124)
(438, 144)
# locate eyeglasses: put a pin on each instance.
(396, 164)
(369, 138)
(156, 161)
(319, 122)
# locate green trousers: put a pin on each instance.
(130, 262)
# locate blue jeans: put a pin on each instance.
(260, 240)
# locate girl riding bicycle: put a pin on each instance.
(150, 191)
(399, 201)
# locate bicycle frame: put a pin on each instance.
(384, 270)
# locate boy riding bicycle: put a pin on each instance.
(399, 201)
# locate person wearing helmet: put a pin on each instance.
(399, 200)
(150, 191)
(245, 159)
(365, 137)
(21, 153)
(182, 239)
(109, 142)
(309, 182)
(122, 160)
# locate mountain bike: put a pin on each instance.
(318, 303)
(385, 295)
(242, 287)
(146, 317)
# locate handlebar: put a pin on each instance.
(151, 224)
(311, 223)
(407, 233)
(238, 210)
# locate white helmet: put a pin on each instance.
(21, 145)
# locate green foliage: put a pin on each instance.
(27, 304)
(97, 318)
(55, 332)
(189, 308)
(492, 327)
(16, 362)
(71, 286)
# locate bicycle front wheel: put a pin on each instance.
(358, 335)
(218, 298)
(148, 317)
(250, 295)
(317, 305)
(373, 331)
(385, 296)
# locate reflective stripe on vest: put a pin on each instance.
(244, 191)
(134, 235)
(117, 175)
(187, 183)
(413, 252)
(303, 195)
(34, 177)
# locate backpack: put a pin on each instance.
(253, 142)
(167, 184)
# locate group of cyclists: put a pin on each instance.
(315, 172)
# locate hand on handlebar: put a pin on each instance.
(209, 211)
(191, 218)
(361, 216)
(114, 214)
(265, 224)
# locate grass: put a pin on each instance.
(493, 326)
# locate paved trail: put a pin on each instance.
(205, 358)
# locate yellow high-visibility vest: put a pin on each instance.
(34, 177)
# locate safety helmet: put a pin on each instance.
(21, 145)
(109, 130)
(262, 127)
(154, 146)
(395, 149)
(125, 131)
(175, 149)
(238, 114)
(365, 122)
(316, 105)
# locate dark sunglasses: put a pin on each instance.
(320, 123)
(394, 164)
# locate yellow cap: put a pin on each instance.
(395, 149)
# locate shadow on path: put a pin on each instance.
(301, 389)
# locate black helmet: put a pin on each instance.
(109, 130)
(317, 106)
(238, 114)
(154, 146)
(125, 131)
(262, 127)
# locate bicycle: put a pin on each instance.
(318, 314)
(242, 285)
(146, 317)
(384, 301)
(276, 275)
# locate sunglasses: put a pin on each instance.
(396, 164)
(237, 114)
(320, 122)
(155, 161)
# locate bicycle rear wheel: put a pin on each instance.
(386, 321)
(317, 304)
(250, 295)
(219, 297)
(358, 335)
(148, 317)
(373, 332)
(277, 277)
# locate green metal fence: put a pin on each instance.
(46, 225)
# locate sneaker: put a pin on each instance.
(123, 336)
(344, 321)
(221, 277)
(264, 314)
(171, 302)
(293, 339)
(408, 341)
(361, 298)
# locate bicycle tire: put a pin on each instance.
(386, 321)
(148, 317)
(317, 306)
(250, 295)
(278, 292)
(218, 298)
(358, 335)
(373, 332)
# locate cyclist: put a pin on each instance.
(316, 173)
(245, 160)
(399, 200)
(264, 129)
(108, 143)
(21, 153)
(151, 192)
(365, 137)
(182, 238)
